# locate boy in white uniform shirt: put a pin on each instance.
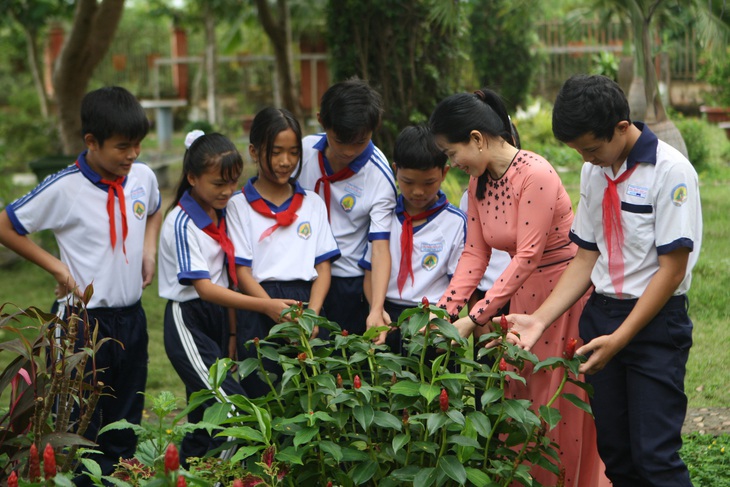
(353, 177)
(427, 232)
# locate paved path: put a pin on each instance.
(711, 421)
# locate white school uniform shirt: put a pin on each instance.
(660, 212)
(360, 206)
(289, 253)
(498, 262)
(437, 246)
(72, 204)
(187, 253)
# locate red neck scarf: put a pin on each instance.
(283, 218)
(116, 187)
(218, 233)
(406, 243)
(326, 180)
(613, 230)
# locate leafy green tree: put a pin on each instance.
(501, 42)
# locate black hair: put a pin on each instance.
(267, 124)
(415, 149)
(456, 116)
(351, 109)
(209, 151)
(111, 111)
(589, 104)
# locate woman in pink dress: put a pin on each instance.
(517, 204)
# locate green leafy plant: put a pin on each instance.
(707, 458)
(49, 379)
(716, 72)
(352, 413)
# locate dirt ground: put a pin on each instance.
(711, 421)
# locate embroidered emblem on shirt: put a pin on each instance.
(679, 194)
(137, 193)
(304, 230)
(352, 189)
(638, 191)
(348, 203)
(429, 262)
(139, 209)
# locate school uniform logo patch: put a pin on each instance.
(679, 194)
(139, 209)
(429, 262)
(304, 230)
(348, 202)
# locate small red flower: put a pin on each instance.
(345, 333)
(504, 324)
(302, 356)
(237, 483)
(256, 341)
(172, 459)
(49, 462)
(502, 365)
(339, 381)
(425, 302)
(357, 382)
(329, 484)
(34, 464)
(268, 456)
(406, 416)
(570, 348)
(181, 482)
(13, 479)
(444, 400)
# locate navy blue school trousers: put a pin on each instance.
(346, 305)
(257, 325)
(639, 402)
(196, 335)
(121, 364)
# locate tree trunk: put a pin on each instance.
(92, 32)
(210, 62)
(32, 47)
(281, 38)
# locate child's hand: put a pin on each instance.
(524, 331)
(601, 349)
(148, 270)
(65, 283)
(376, 319)
(275, 307)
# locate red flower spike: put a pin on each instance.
(34, 464)
(302, 356)
(13, 479)
(502, 365)
(181, 482)
(345, 333)
(504, 324)
(268, 456)
(570, 348)
(172, 459)
(329, 484)
(444, 400)
(425, 302)
(49, 462)
(357, 382)
(339, 381)
(256, 341)
(406, 416)
(393, 379)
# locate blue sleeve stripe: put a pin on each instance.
(14, 221)
(379, 236)
(244, 262)
(582, 243)
(677, 244)
(187, 278)
(454, 210)
(333, 256)
(181, 241)
(365, 264)
(382, 164)
(44, 184)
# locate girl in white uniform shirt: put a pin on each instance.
(283, 240)
(195, 260)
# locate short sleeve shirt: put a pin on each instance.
(360, 206)
(660, 212)
(187, 253)
(290, 252)
(73, 205)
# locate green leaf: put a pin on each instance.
(353, 455)
(456, 416)
(331, 448)
(291, 455)
(304, 435)
(477, 477)
(425, 477)
(245, 433)
(244, 452)
(326, 383)
(515, 410)
(435, 422)
(371, 333)
(436, 364)
(551, 362)
(428, 391)
(405, 474)
(246, 367)
(481, 423)
(364, 472)
(399, 441)
(578, 402)
(451, 466)
(364, 415)
(461, 377)
(491, 395)
(387, 420)
(406, 388)
(217, 413)
(550, 415)
(417, 321)
(450, 332)
(424, 446)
